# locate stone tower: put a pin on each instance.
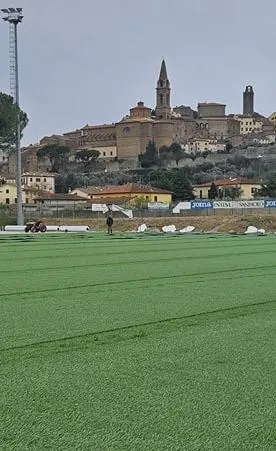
(163, 93)
(248, 101)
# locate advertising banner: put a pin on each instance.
(197, 204)
(271, 203)
(99, 207)
(158, 206)
(250, 204)
(224, 204)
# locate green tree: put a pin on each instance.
(164, 155)
(181, 185)
(161, 178)
(228, 147)
(213, 191)
(57, 154)
(268, 189)
(176, 152)
(205, 154)
(164, 150)
(8, 121)
(150, 157)
(87, 155)
(232, 192)
(140, 202)
(66, 182)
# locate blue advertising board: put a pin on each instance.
(201, 204)
(270, 203)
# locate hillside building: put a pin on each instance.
(246, 188)
(200, 145)
(129, 192)
(44, 181)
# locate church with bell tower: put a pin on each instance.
(129, 137)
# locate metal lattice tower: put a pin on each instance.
(14, 17)
(12, 49)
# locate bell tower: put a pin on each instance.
(163, 94)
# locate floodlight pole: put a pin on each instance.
(14, 17)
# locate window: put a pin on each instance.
(155, 198)
(254, 190)
(161, 99)
(246, 123)
(111, 153)
(147, 197)
(15, 200)
(31, 179)
(246, 129)
(45, 187)
(7, 200)
(242, 129)
(37, 179)
(7, 191)
(45, 180)
(27, 200)
(103, 154)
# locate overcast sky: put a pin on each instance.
(90, 61)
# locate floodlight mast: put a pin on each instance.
(14, 17)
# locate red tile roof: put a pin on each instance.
(46, 195)
(230, 182)
(128, 188)
(109, 200)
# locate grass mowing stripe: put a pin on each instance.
(140, 330)
(135, 261)
(119, 282)
(154, 241)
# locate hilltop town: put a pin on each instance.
(208, 129)
(212, 143)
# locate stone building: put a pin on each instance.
(211, 109)
(31, 162)
(40, 181)
(248, 101)
(98, 137)
(250, 121)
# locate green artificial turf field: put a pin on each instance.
(137, 342)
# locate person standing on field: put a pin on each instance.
(109, 223)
